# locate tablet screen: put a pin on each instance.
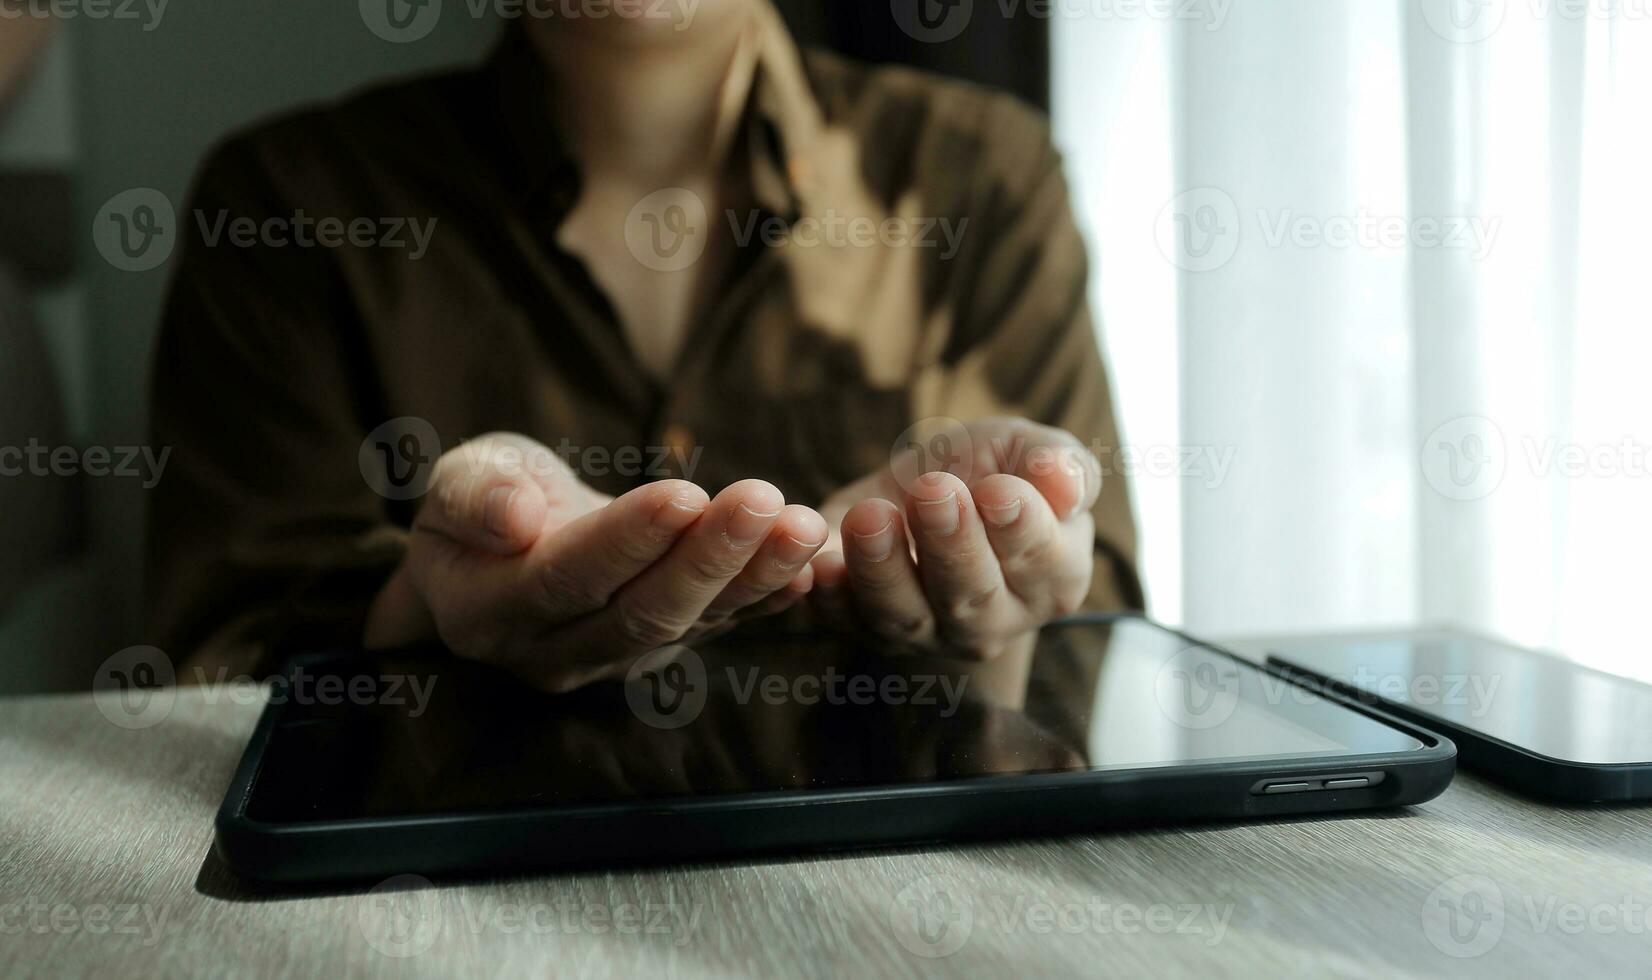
(408, 735)
(1540, 702)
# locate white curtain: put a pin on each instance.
(1372, 278)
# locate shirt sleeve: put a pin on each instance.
(263, 534)
(1023, 342)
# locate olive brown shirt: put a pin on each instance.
(912, 256)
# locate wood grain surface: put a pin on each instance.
(105, 867)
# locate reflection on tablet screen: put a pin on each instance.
(437, 734)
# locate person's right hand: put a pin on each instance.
(514, 562)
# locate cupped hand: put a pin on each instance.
(969, 562)
(514, 562)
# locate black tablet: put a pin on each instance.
(366, 767)
(1538, 723)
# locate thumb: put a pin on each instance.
(490, 494)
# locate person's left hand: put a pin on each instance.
(969, 561)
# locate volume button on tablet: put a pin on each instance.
(1273, 788)
(1358, 782)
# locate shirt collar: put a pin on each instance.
(779, 118)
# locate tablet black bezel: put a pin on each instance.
(727, 825)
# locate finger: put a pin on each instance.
(1066, 473)
(956, 563)
(1037, 555)
(579, 569)
(662, 604)
(797, 535)
(481, 497)
(788, 596)
(887, 593)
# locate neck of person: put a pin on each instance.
(648, 110)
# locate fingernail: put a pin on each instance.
(1083, 473)
(878, 545)
(678, 513)
(746, 526)
(792, 553)
(496, 513)
(1004, 515)
(939, 516)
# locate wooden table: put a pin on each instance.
(105, 866)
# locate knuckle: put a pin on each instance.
(965, 627)
(970, 606)
(453, 499)
(959, 560)
(1068, 602)
(715, 619)
(1036, 553)
(1071, 594)
(632, 549)
(562, 586)
(643, 628)
(707, 565)
(900, 628)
